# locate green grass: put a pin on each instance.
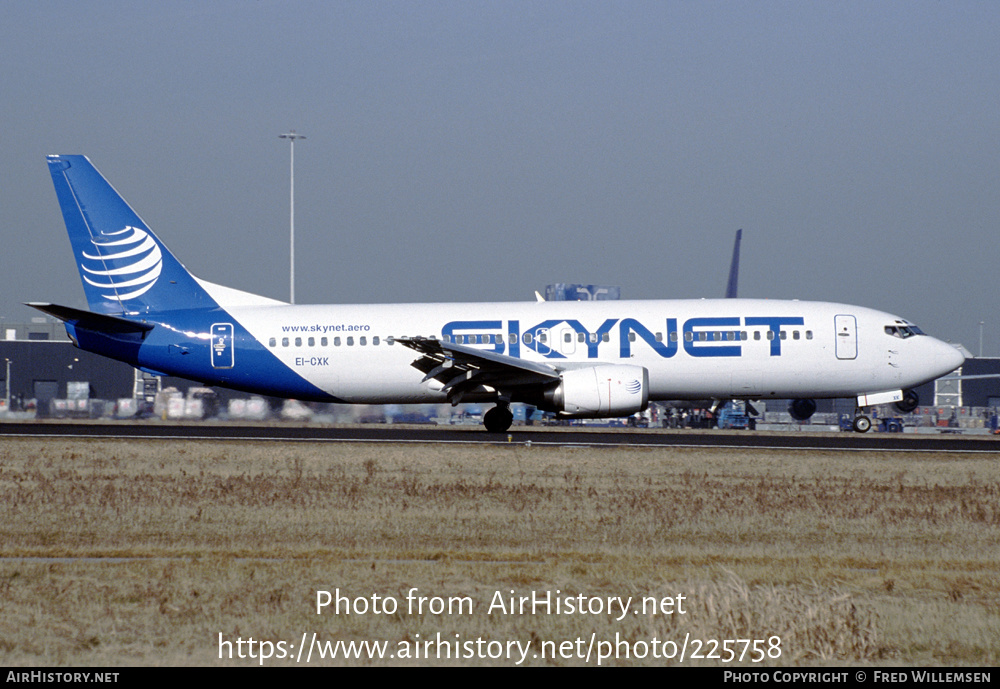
(848, 558)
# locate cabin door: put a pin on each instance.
(847, 337)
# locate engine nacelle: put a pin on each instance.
(909, 402)
(600, 392)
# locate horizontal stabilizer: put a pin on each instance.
(89, 320)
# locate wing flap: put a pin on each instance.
(460, 368)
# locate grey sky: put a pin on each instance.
(472, 151)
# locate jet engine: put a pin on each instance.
(909, 402)
(599, 391)
(801, 410)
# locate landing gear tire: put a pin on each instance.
(861, 424)
(498, 419)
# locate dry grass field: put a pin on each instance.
(144, 552)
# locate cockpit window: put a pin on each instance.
(903, 331)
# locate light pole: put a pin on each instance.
(7, 379)
(981, 324)
(291, 136)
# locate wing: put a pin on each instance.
(461, 369)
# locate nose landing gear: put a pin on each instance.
(861, 423)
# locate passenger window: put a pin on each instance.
(581, 337)
(631, 337)
(362, 340)
(527, 338)
(513, 338)
(390, 340)
(284, 342)
(323, 342)
(375, 341)
(311, 341)
(272, 342)
(336, 342)
(795, 334)
(350, 341)
(809, 334)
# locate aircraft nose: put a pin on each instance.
(947, 357)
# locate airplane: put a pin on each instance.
(594, 359)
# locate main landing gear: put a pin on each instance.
(499, 418)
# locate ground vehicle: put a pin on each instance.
(733, 415)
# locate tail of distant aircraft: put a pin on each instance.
(734, 268)
(124, 267)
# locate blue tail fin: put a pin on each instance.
(124, 267)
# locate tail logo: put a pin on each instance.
(128, 260)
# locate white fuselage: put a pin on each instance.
(692, 349)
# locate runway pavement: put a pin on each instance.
(897, 442)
